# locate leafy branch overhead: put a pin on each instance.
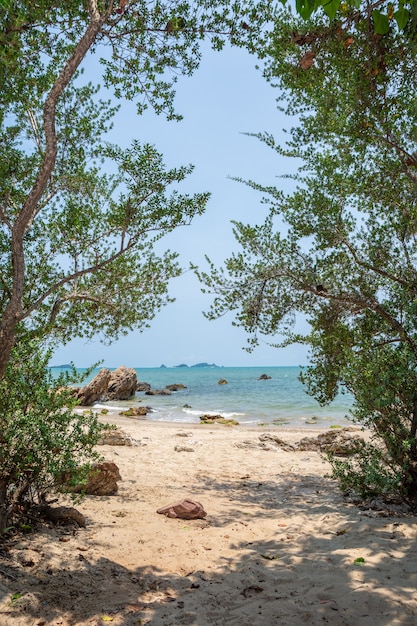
(79, 218)
(339, 247)
(385, 15)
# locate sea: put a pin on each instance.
(270, 396)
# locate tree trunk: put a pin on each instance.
(4, 510)
(14, 311)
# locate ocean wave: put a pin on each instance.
(211, 412)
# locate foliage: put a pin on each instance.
(341, 248)
(79, 217)
(42, 438)
(401, 13)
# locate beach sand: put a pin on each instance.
(278, 545)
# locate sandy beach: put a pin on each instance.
(279, 544)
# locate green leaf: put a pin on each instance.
(305, 8)
(359, 560)
(330, 8)
(401, 17)
(381, 22)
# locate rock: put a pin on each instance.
(184, 509)
(176, 387)
(183, 449)
(142, 386)
(222, 381)
(158, 392)
(136, 411)
(102, 480)
(115, 437)
(338, 442)
(122, 384)
(264, 377)
(276, 441)
(62, 514)
(217, 419)
(95, 390)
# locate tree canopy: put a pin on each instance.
(79, 217)
(342, 248)
(385, 14)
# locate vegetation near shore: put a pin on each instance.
(341, 247)
(79, 217)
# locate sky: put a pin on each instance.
(225, 98)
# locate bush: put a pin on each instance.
(41, 437)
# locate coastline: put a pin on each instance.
(278, 545)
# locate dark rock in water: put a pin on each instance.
(122, 384)
(176, 387)
(222, 381)
(217, 419)
(264, 377)
(95, 390)
(142, 386)
(135, 411)
(184, 509)
(158, 392)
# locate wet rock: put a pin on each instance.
(142, 386)
(136, 411)
(176, 387)
(158, 392)
(222, 381)
(264, 377)
(217, 419)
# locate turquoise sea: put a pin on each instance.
(280, 400)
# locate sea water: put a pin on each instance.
(280, 400)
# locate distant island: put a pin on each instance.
(196, 365)
(65, 366)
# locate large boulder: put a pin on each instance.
(122, 384)
(95, 390)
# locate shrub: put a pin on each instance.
(41, 437)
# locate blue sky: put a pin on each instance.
(225, 98)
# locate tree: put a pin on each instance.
(342, 248)
(78, 217)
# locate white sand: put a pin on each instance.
(278, 545)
